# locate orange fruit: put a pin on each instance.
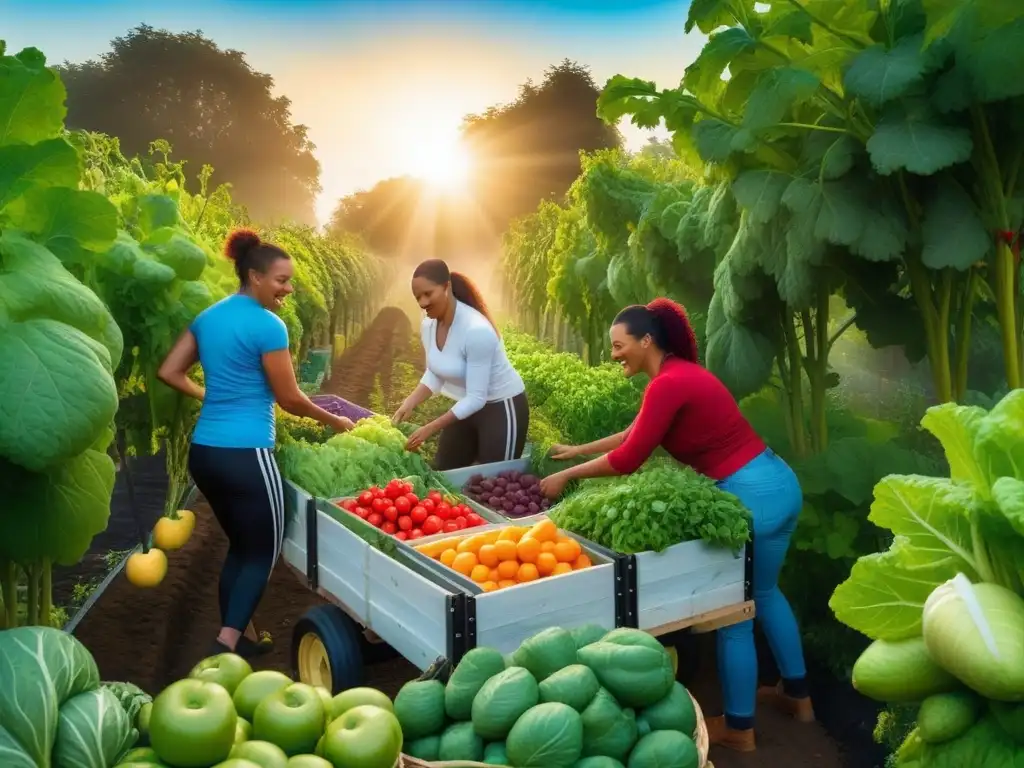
(494, 575)
(471, 544)
(488, 555)
(448, 557)
(505, 549)
(490, 586)
(561, 568)
(506, 583)
(567, 551)
(546, 563)
(464, 563)
(582, 562)
(528, 550)
(480, 574)
(512, 533)
(507, 569)
(527, 572)
(547, 546)
(545, 530)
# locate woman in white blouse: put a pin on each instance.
(467, 362)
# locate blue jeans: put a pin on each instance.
(770, 490)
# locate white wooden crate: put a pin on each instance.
(401, 604)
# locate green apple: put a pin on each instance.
(293, 718)
(224, 668)
(192, 724)
(141, 755)
(255, 688)
(243, 730)
(263, 753)
(235, 762)
(356, 697)
(142, 723)
(325, 698)
(308, 761)
(365, 736)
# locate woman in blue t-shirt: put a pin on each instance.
(243, 349)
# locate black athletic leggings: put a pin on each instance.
(497, 432)
(243, 486)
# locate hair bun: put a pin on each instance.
(240, 242)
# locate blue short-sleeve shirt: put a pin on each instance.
(238, 409)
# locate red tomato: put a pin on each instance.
(406, 488)
(375, 490)
(474, 519)
(403, 505)
(379, 505)
(415, 533)
(450, 526)
(401, 535)
(431, 525)
(418, 514)
(405, 524)
(348, 505)
(362, 512)
(429, 505)
(443, 510)
(394, 489)
(461, 522)
(375, 519)
(413, 498)
(389, 528)
(365, 499)
(391, 514)
(435, 496)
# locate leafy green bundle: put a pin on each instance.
(945, 603)
(652, 509)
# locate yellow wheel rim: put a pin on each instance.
(314, 665)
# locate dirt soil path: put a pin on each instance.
(154, 637)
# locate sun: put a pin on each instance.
(443, 164)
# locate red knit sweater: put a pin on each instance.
(689, 411)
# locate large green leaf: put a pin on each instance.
(740, 356)
(69, 222)
(910, 136)
(953, 232)
(999, 446)
(704, 75)
(56, 513)
(956, 428)
(48, 163)
(879, 75)
(709, 15)
(31, 99)
(760, 193)
(778, 90)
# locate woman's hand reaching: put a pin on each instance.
(553, 485)
(563, 452)
(401, 414)
(342, 424)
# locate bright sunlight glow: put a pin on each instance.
(443, 164)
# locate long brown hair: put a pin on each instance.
(463, 289)
(667, 324)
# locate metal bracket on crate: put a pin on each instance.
(461, 625)
(625, 591)
(748, 568)
(312, 555)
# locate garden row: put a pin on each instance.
(105, 261)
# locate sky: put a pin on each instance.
(384, 85)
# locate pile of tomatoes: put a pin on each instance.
(399, 512)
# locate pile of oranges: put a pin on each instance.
(510, 556)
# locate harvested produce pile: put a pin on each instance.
(652, 509)
(512, 493)
(373, 453)
(945, 604)
(398, 511)
(584, 697)
(510, 556)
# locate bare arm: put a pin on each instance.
(174, 369)
(417, 397)
(278, 367)
(603, 445)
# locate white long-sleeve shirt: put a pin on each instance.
(473, 368)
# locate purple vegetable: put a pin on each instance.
(501, 481)
(494, 502)
(527, 480)
(533, 507)
(475, 489)
(519, 510)
(341, 407)
(487, 485)
(513, 486)
(508, 506)
(514, 475)
(499, 491)
(475, 479)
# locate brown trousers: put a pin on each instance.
(497, 432)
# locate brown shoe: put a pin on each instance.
(775, 696)
(722, 736)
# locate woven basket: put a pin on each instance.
(700, 738)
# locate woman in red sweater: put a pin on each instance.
(691, 414)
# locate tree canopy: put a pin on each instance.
(211, 105)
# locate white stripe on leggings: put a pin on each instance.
(272, 498)
(279, 483)
(511, 429)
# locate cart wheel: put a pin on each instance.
(325, 649)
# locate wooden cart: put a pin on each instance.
(381, 590)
